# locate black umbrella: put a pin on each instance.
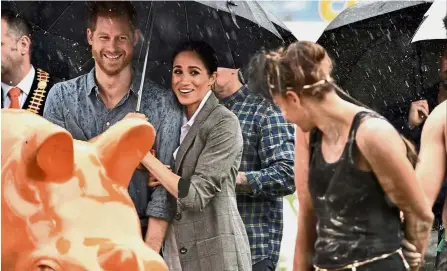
(285, 33)
(371, 47)
(430, 41)
(236, 30)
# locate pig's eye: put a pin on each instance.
(47, 265)
(44, 267)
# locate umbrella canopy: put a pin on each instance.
(373, 57)
(285, 33)
(367, 10)
(236, 30)
(430, 41)
(432, 27)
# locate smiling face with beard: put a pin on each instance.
(112, 42)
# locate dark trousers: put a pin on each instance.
(264, 265)
(144, 231)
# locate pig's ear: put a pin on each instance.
(122, 147)
(50, 154)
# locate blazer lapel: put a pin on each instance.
(209, 106)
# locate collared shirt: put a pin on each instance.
(76, 105)
(24, 85)
(267, 160)
(187, 124)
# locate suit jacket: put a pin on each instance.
(35, 102)
(208, 229)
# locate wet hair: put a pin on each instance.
(111, 9)
(304, 67)
(205, 52)
(17, 25)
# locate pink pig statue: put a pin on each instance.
(65, 204)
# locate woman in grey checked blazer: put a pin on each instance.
(207, 232)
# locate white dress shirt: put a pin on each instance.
(24, 85)
(187, 124)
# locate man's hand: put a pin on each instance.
(413, 257)
(419, 111)
(135, 115)
(241, 179)
(242, 184)
(156, 232)
(152, 182)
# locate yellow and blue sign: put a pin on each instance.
(307, 10)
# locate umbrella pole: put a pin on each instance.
(140, 91)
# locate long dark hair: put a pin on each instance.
(203, 50)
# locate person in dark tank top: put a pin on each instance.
(352, 169)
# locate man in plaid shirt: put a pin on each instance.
(266, 171)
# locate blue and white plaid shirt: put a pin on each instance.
(267, 160)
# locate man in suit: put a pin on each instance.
(23, 86)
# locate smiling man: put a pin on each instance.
(88, 105)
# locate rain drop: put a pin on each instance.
(59, 54)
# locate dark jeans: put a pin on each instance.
(143, 231)
(264, 265)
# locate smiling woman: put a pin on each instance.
(204, 176)
(194, 72)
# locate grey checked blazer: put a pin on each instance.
(209, 231)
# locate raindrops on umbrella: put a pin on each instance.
(373, 55)
(61, 56)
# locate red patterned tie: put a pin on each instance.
(14, 94)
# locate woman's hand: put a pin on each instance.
(413, 257)
(149, 159)
(152, 181)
